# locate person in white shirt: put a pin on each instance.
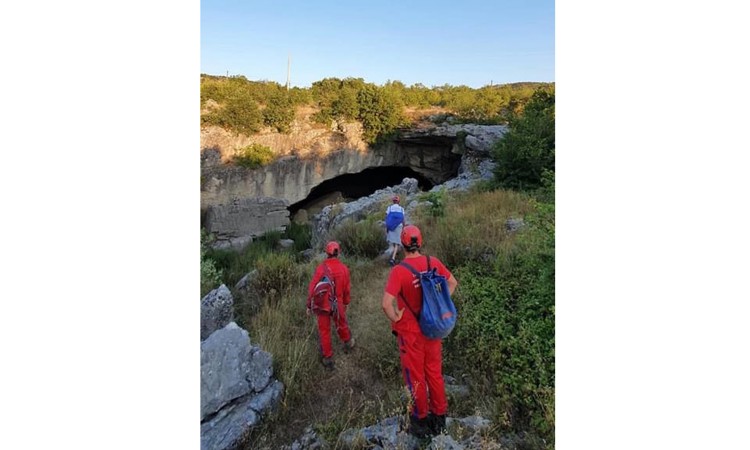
(394, 224)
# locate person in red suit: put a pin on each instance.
(421, 358)
(332, 267)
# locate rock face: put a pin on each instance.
(237, 388)
(239, 203)
(234, 224)
(216, 310)
(292, 177)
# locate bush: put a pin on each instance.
(210, 273)
(301, 234)
(365, 239)
(278, 275)
(437, 200)
(380, 113)
(505, 335)
(528, 149)
(279, 112)
(253, 156)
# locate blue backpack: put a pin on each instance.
(393, 220)
(438, 315)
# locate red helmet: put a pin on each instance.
(396, 199)
(333, 248)
(411, 238)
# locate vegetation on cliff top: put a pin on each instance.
(238, 104)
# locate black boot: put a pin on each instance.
(436, 423)
(420, 428)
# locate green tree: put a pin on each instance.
(527, 151)
(279, 112)
(380, 113)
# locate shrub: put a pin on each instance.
(528, 149)
(505, 334)
(380, 113)
(301, 234)
(365, 239)
(437, 200)
(240, 113)
(253, 156)
(210, 273)
(278, 275)
(279, 112)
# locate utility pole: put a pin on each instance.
(288, 70)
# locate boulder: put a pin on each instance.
(231, 368)
(216, 310)
(387, 435)
(286, 243)
(226, 429)
(444, 442)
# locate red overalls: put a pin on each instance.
(421, 358)
(340, 274)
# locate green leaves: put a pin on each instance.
(527, 151)
(253, 156)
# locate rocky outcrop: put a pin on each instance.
(237, 387)
(293, 177)
(216, 310)
(239, 203)
(235, 224)
(433, 152)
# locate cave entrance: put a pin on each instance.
(351, 186)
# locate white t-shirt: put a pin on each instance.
(394, 208)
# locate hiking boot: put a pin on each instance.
(349, 345)
(436, 423)
(328, 363)
(419, 428)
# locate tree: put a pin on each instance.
(279, 112)
(379, 112)
(527, 151)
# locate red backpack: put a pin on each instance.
(323, 300)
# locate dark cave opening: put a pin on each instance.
(352, 186)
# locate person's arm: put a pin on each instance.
(452, 283)
(442, 270)
(390, 308)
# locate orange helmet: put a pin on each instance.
(411, 238)
(396, 199)
(333, 248)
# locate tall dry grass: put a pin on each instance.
(473, 227)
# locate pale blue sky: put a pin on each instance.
(430, 42)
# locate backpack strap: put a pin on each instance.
(332, 298)
(416, 274)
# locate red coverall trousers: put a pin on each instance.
(324, 329)
(421, 365)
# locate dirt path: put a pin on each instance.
(365, 386)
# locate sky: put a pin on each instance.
(471, 43)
